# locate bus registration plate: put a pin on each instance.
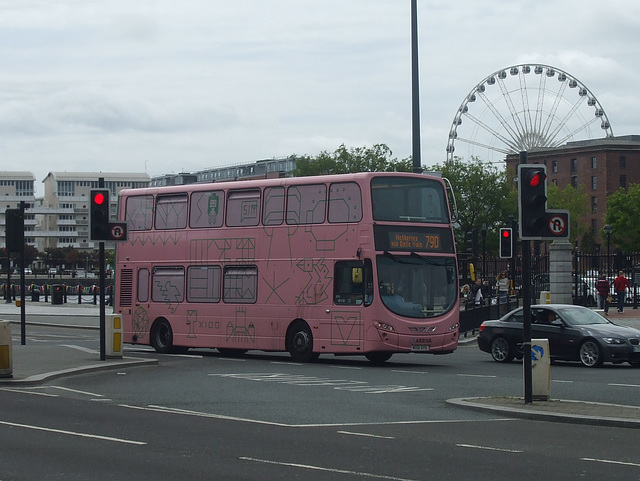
(420, 347)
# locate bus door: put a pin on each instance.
(352, 293)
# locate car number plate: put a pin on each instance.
(636, 348)
(420, 347)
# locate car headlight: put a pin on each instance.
(613, 340)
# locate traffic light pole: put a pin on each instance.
(526, 308)
(103, 355)
(103, 336)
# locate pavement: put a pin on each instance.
(35, 363)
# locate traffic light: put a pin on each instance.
(14, 229)
(532, 201)
(100, 225)
(506, 242)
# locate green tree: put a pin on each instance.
(484, 196)
(576, 201)
(622, 215)
(360, 159)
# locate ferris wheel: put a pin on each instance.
(524, 107)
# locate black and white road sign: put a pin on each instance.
(118, 231)
(558, 223)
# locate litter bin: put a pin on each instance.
(35, 295)
(57, 294)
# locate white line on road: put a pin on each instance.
(610, 461)
(328, 470)
(489, 448)
(475, 375)
(367, 435)
(72, 433)
(624, 385)
(76, 391)
(23, 391)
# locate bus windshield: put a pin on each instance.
(416, 286)
(408, 199)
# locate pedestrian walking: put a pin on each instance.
(620, 285)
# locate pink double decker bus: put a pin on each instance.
(339, 264)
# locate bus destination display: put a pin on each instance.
(413, 240)
(400, 241)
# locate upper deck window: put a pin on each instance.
(306, 204)
(171, 211)
(139, 212)
(243, 208)
(273, 210)
(206, 209)
(412, 199)
(345, 202)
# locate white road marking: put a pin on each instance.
(73, 433)
(81, 348)
(76, 391)
(185, 412)
(475, 375)
(366, 435)
(327, 470)
(610, 461)
(489, 448)
(624, 385)
(338, 384)
(23, 391)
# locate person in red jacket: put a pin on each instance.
(621, 284)
(603, 287)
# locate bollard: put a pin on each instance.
(79, 294)
(113, 338)
(6, 361)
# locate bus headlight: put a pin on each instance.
(454, 327)
(383, 326)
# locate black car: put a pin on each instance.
(575, 333)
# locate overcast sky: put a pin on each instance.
(168, 86)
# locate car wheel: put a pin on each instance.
(590, 354)
(501, 351)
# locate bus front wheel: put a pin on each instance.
(300, 342)
(162, 336)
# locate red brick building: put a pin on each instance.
(601, 165)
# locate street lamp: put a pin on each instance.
(607, 230)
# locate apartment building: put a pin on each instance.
(61, 217)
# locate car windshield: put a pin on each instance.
(581, 317)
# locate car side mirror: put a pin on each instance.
(557, 322)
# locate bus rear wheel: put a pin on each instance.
(300, 342)
(162, 336)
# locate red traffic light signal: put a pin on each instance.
(99, 198)
(506, 242)
(532, 201)
(99, 214)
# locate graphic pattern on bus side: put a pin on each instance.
(241, 331)
(346, 328)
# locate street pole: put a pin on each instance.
(103, 337)
(526, 312)
(415, 84)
